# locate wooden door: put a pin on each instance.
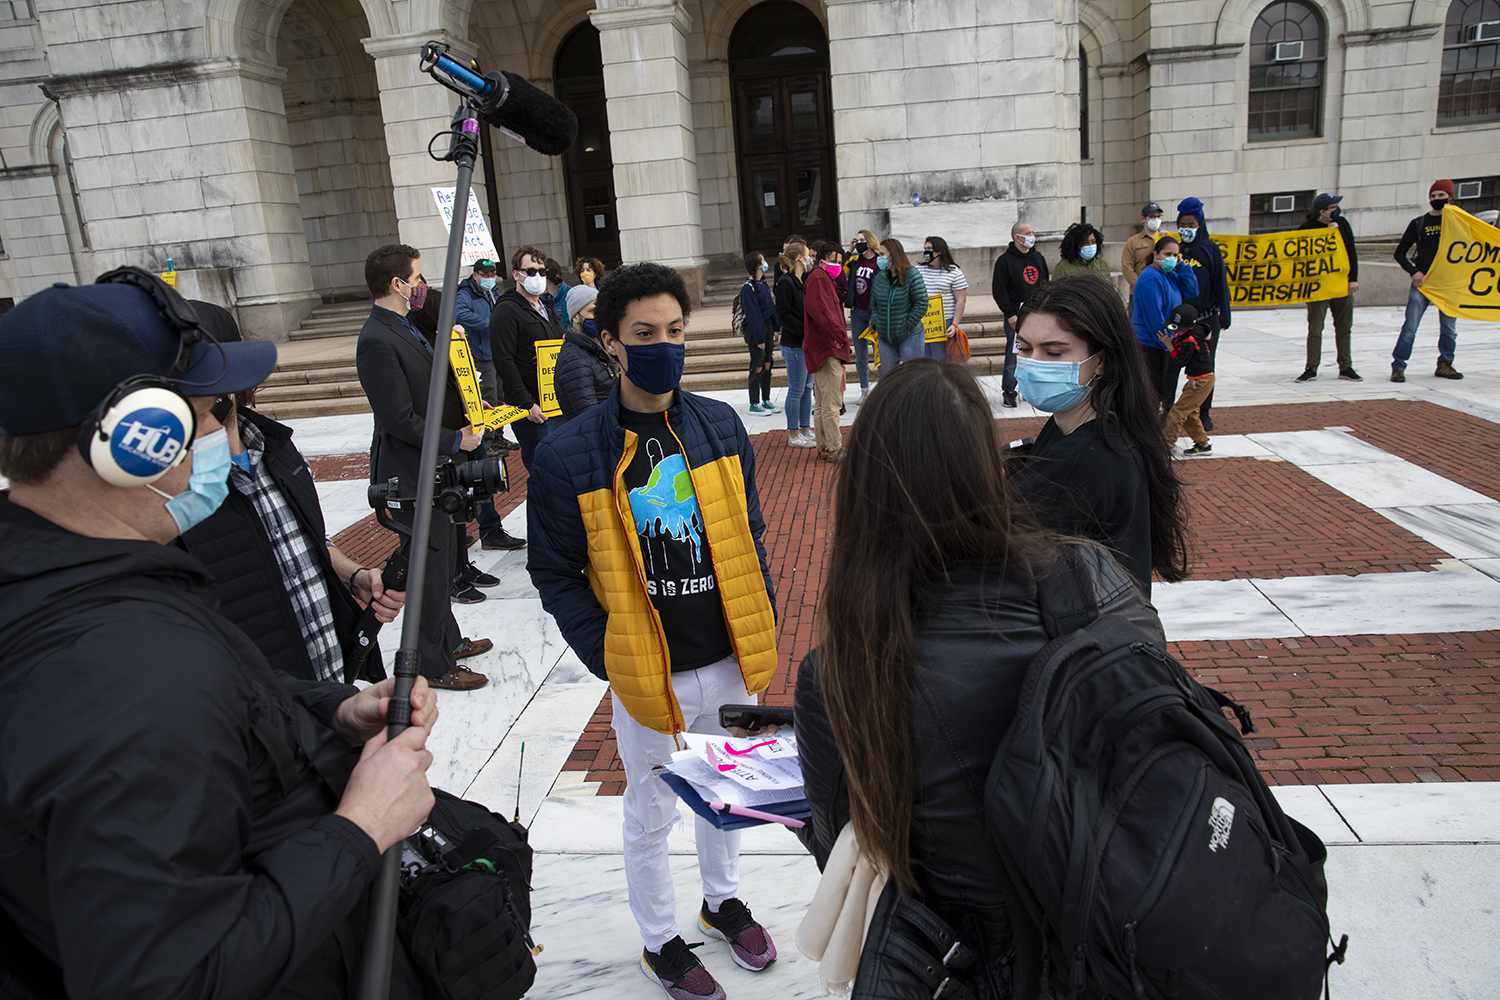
(591, 180)
(784, 146)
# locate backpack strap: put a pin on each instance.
(1065, 594)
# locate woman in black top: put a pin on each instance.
(1099, 468)
(795, 260)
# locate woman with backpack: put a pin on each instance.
(754, 318)
(898, 301)
(930, 615)
(795, 260)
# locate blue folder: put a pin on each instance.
(791, 809)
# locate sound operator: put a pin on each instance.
(176, 818)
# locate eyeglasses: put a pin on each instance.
(531, 272)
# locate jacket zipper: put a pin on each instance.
(673, 709)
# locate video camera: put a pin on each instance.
(460, 486)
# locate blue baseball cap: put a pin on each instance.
(67, 347)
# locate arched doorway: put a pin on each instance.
(590, 171)
(783, 125)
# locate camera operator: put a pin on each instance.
(281, 580)
(395, 366)
(178, 819)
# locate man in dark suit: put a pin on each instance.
(395, 365)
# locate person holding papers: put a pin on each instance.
(645, 530)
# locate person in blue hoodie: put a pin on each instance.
(1163, 286)
(1212, 300)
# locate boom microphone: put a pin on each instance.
(506, 102)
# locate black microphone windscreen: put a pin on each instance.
(546, 124)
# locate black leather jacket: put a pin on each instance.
(975, 636)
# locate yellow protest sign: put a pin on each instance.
(170, 277)
(1304, 265)
(934, 327)
(874, 340)
(1463, 278)
(546, 367)
(480, 418)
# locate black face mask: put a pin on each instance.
(861, 246)
(927, 256)
(1437, 205)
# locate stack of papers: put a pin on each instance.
(762, 773)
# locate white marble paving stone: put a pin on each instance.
(1464, 531)
(1227, 446)
(1218, 609)
(590, 824)
(1308, 806)
(1394, 484)
(1323, 447)
(592, 949)
(340, 435)
(1489, 567)
(344, 502)
(1458, 600)
(1430, 812)
(1422, 922)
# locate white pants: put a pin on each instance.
(651, 807)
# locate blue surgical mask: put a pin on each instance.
(1089, 251)
(486, 283)
(655, 368)
(1168, 264)
(1187, 234)
(883, 263)
(207, 486)
(1050, 386)
(587, 326)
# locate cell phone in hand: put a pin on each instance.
(755, 718)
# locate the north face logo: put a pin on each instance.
(1220, 820)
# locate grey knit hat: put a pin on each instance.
(578, 297)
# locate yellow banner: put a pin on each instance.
(170, 277)
(874, 340)
(1305, 265)
(933, 326)
(480, 417)
(546, 367)
(1463, 280)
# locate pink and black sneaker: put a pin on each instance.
(748, 941)
(677, 970)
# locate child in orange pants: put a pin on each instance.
(1191, 352)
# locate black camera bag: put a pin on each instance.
(465, 917)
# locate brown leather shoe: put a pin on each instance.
(472, 647)
(459, 679)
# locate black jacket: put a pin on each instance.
(975, 635)
(788, 294)
(394, 369)
(585, 373)
(150, 843)
(1424, 232)
(236, 549)
(1213, 280)
(515, 328)
(1347, 233)
(1017, 274)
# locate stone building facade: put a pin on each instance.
(264, 146)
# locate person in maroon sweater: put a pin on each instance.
(825, 346)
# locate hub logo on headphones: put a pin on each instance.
(147, 441)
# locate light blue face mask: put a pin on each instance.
(1050, 386)
(207, 486)
(1089, 251)
(486, 283)
(1168, 264)
(882, 262)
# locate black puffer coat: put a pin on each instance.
(975, 637)
(585, 374)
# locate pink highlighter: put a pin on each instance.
(756, 814)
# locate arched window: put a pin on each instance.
(1470, 86)
(1286, 72)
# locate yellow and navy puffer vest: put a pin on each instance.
(585, 557)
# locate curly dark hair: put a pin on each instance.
(634, 282)
(1076, 238)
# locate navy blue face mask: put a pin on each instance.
(655, 368)
(587, 326)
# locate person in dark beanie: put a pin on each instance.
(1423, 234)
(1325, 214)
(1212, 301)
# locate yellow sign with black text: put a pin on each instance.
(480, 418)
(1304, 265)
(934, 329)
(546, 368)
(1465, 276)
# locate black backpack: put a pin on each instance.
(465, 910)
(737, 315)
(1138, 833)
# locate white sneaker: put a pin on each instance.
(862, 394)
(804, 440)
(769, 407)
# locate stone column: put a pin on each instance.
(190, 161)
(648, 99)
(416, 107)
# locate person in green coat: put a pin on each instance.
(897, 304)
(1082, 253)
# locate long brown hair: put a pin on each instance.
(921, 488)
(900, 263)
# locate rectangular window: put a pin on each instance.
(1083, 104)
(1469, 88)
(1477, 194)
(1279, 211)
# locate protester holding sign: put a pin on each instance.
(1161, 288)
(518, 322)
(943, 280)
(1462, 281)
(1325, 214)
(1212, 300)
(897, 303)
(1424, 233)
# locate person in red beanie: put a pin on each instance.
(1424, 232)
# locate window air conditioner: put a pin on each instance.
(1288, 50)
(1486, 31)
(1468, 189)
(1283, 202)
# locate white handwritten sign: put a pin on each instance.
(477, 242)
